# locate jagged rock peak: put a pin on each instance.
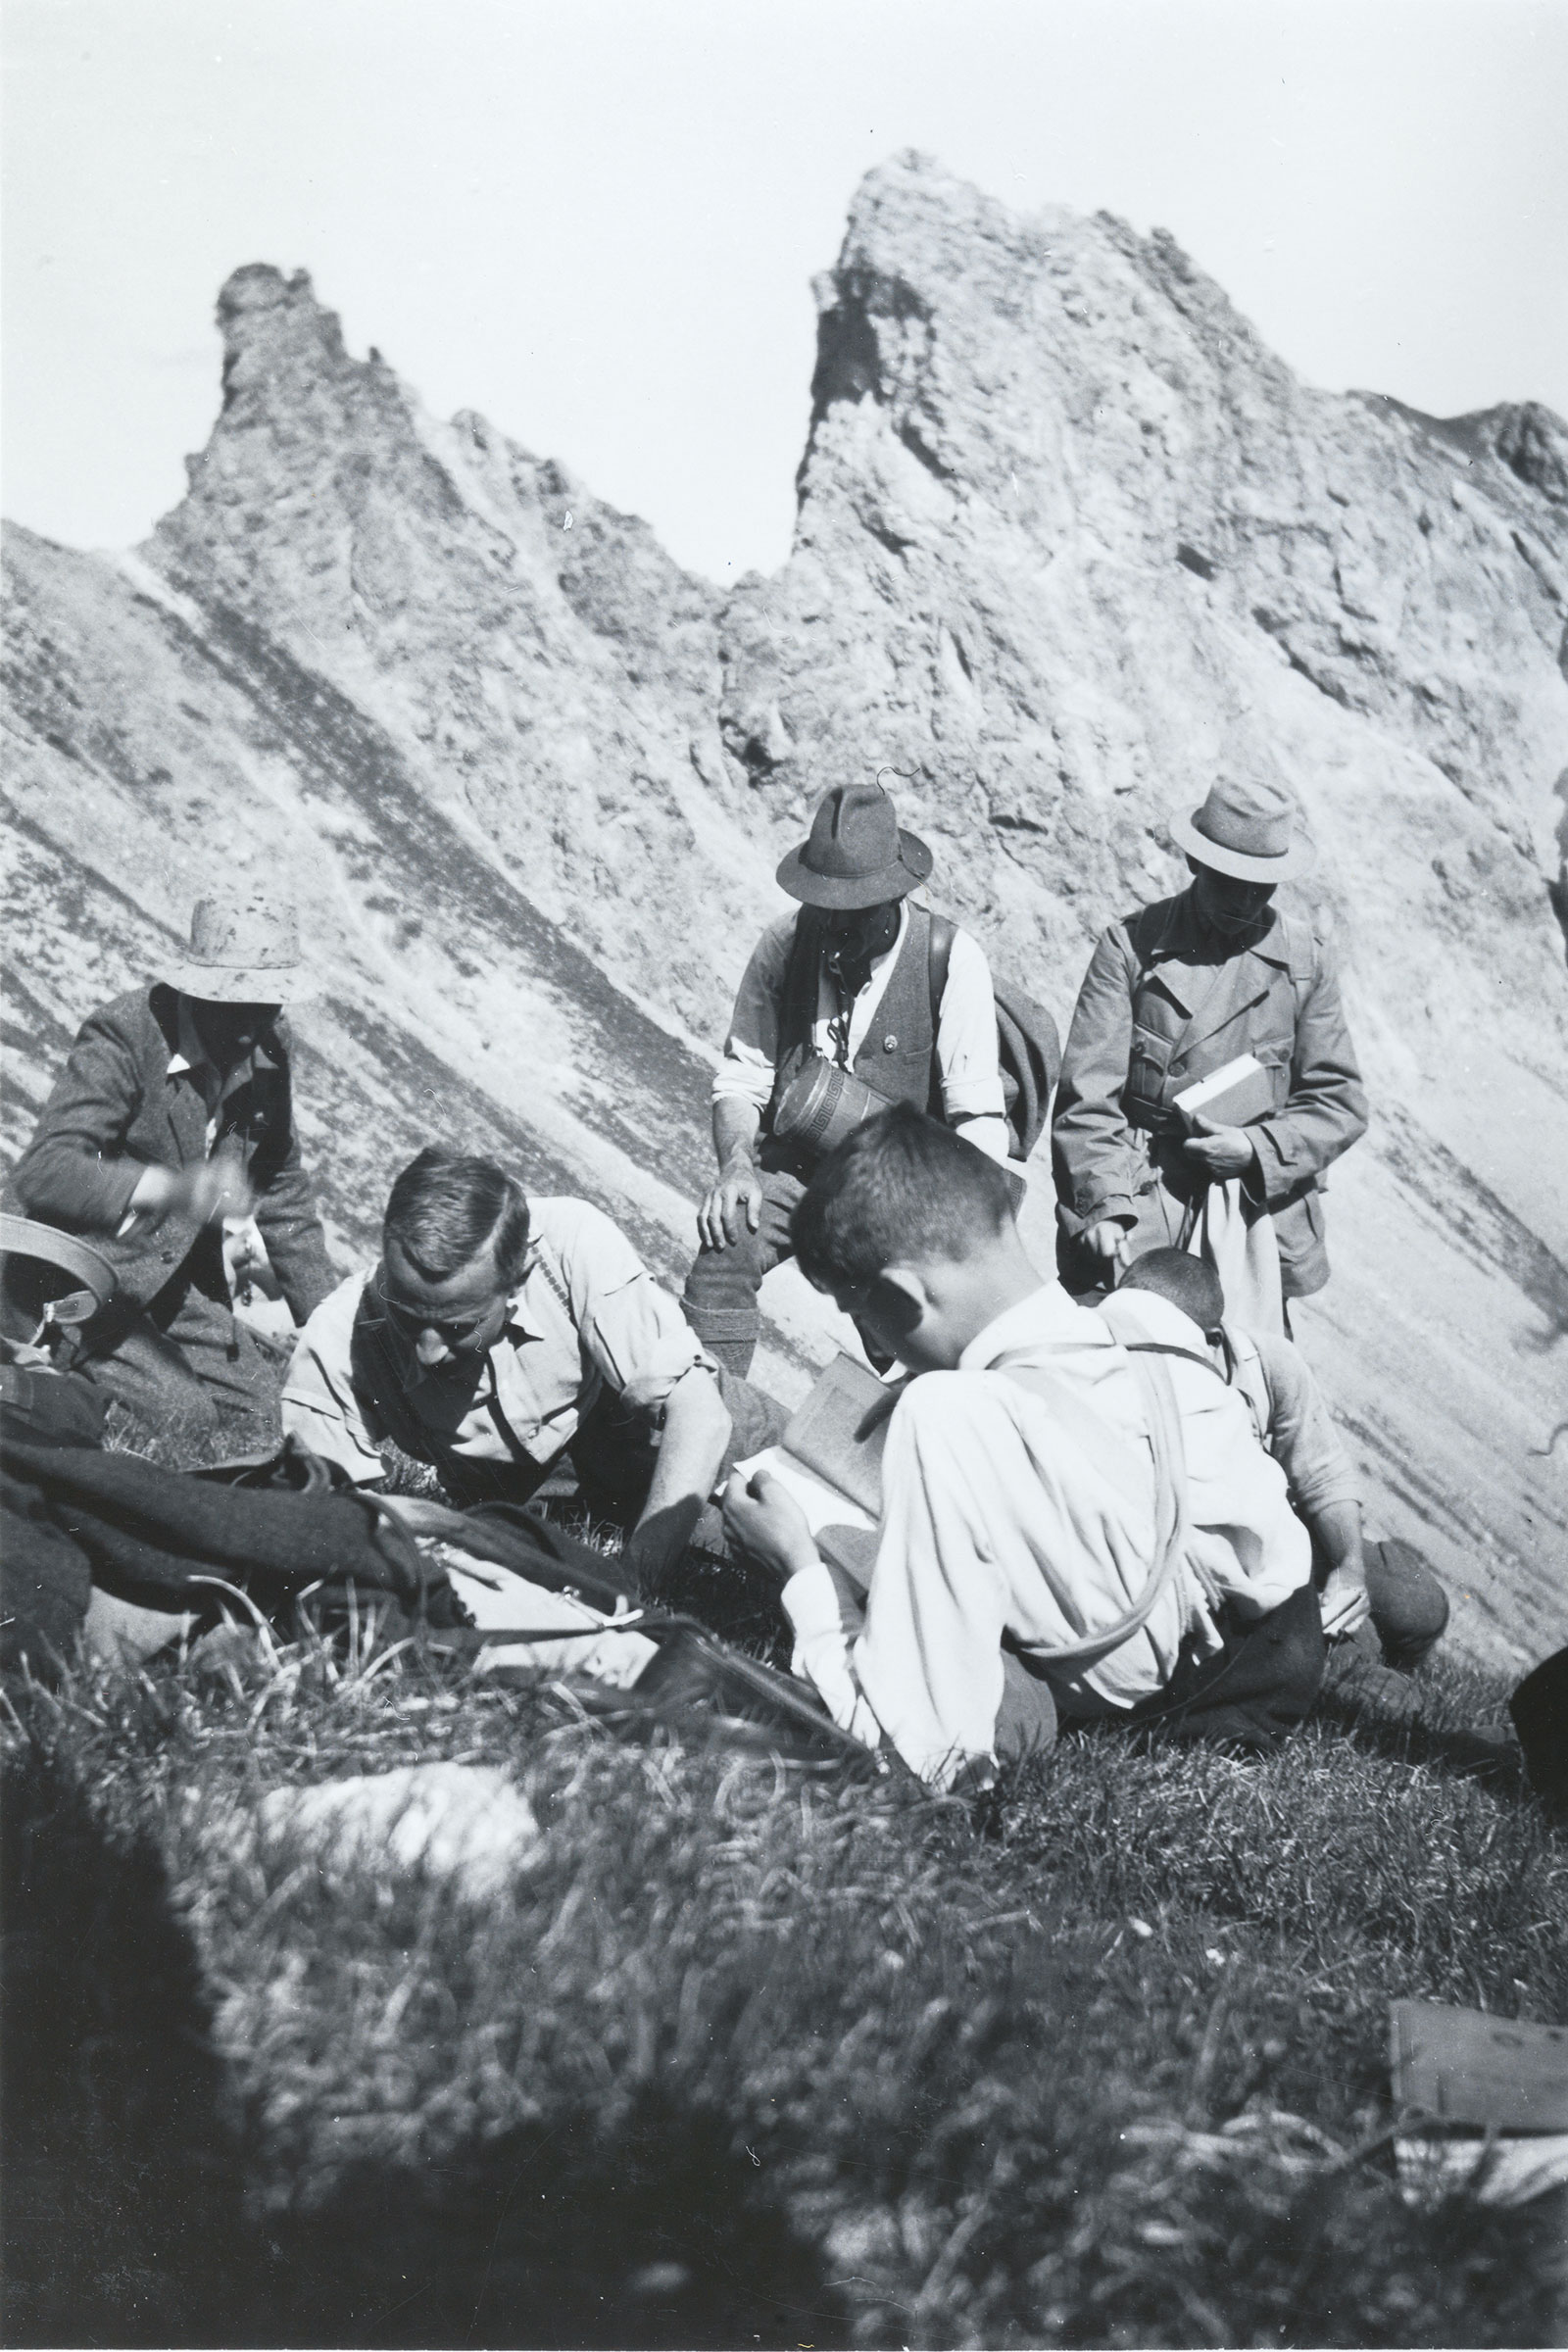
(266, 318)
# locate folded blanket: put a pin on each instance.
(75, 1518)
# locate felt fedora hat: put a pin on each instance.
(1246, 829)
(855, 855)
(244, 950)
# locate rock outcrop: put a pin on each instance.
(1071, 540)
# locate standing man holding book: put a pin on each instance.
(855, 998)
(1175, 993)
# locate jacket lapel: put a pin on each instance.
(1212, 996)
(187, 1117)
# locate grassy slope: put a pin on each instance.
(751, 2056)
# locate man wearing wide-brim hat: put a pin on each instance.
(173, 1118)
(843, 982)
(1172, 995)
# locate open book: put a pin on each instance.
(830, 1460)
(1231, 1096)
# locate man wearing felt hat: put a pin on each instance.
(856, 979)
(1172, 995)
(172, 1120)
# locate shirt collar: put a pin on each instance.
(1047, 1315)
(1164, 1321)
(1188, 936)
(189, 1054)
(880, 963)
(411, 1372)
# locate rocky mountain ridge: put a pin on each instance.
(1069, 541)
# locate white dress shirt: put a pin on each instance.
(1005, 1510)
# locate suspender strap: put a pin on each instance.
(1171, 1526)
(1161, 1348)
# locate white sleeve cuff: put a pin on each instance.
(990, 1135)
(966, 1036)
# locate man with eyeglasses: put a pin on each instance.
(498, 1332)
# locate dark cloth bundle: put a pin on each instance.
(76, 1517)
(145, 1531)
(1540, 1711)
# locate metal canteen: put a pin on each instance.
(823, 1105)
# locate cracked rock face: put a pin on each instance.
(1070, 543)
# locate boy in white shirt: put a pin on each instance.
(1075, 1525)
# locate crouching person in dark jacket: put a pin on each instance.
(170, 1138)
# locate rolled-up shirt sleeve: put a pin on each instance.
(751, 1050)
(966, 1046)
(320, 1406)
(632, 1332)
(1302, 1435)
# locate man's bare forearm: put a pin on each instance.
(736, 1123)
(1337, 1532)
(697, 1429)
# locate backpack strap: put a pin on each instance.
(1172, 1526)
(1162, 1347)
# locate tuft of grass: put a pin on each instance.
(753, 2056)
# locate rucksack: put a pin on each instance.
(1028, 1047)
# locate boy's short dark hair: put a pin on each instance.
(447, 1205)
(1187, 1282)
(903, 1188)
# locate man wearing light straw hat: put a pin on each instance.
(171, 1119)
(1175, 993)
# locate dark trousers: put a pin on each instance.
(609, 1465)
(1258, 1687)
(1409, 1607)
(721, 1287)
(1540, 1711)
(186, 1367)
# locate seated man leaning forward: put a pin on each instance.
(1070, 1530)
(1357, 1577)
(171, 1121)
(846, 979)
(495, 1333)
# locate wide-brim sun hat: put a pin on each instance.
(243, 950)
(856, 854)
(1246, 829)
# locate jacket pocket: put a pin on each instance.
(1147, 1064)
(1275, 1054)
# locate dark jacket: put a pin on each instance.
(1162, 1005)
(117, 1109)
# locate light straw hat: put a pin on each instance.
(244, 950)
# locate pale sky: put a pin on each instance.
(597, 223)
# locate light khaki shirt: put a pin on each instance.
(586, 1317)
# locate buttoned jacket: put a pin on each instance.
(1162, 1005)
(118, 1108)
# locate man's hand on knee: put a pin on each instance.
(1345, 1604)
(732, 1206)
